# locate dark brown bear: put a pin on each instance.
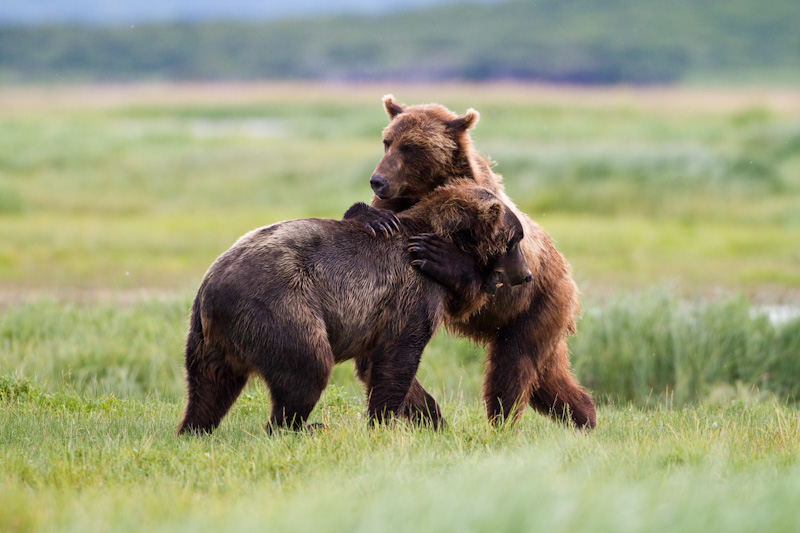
(524, 327)
(290, 300)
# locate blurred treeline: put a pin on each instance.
(575, 41)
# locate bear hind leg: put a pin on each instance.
(295, 391)
(559, 395)
(212, 391)
(291, 408)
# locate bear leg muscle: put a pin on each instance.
(559, 395)
(508, 381)
(212, 391)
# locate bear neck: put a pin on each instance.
(460, 166)
(469, 164)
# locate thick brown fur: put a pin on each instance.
(290, 300)
(524, 327)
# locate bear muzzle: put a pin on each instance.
(380, 186)
(498, 278)
(510, 269)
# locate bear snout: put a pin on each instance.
(380, 186)
(528, 277)
(512, 277)
(512, 268)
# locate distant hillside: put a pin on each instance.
(99, 12)
(575, 41)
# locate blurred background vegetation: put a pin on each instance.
(579, 41)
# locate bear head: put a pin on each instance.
(479, 223)
(425, 146)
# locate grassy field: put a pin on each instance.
(77, 463)
(143, 187)
(676, 207)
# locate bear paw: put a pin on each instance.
(373, 220)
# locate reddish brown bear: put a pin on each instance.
(524, 328)
(290, 300)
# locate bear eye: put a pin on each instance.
(515, 240)
(386, 144)
(407, 148)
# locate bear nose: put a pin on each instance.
(379, 185)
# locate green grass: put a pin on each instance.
(653, 347)
(644, 348)
(74, 462)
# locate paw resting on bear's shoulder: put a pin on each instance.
(373, 220)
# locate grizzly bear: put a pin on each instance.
(524, 327)
(290, 300)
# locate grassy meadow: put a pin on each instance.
(678, 209)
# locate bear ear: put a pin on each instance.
(466, 122)
(455, 215)
(480, 218)
(392, 108)
(492, 213)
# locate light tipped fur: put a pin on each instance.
(392, 108)
(467, 122)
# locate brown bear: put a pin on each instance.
(525, 327)
(290, 300)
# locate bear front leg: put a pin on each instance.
(451, 267)
(292, 403)
(373, 220)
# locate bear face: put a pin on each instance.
(484, 227)
(424, 147)
(487, 235)
(510, 268)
